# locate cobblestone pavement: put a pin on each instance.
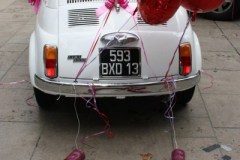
(212, 117)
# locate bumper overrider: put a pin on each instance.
(114, 90)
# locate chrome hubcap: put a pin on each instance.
(224, 7)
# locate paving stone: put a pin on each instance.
(4, 37)
(7, 59)
(135, 133)
(14, 107)
(193, 127)
(10, 27)
(128, 142)
(58, 136)
(19, 8)
(215, 44)
(220, 82)
(232, 33)
(18, 140)
(20, 38)
(14, 47)
(210, 31)
(23, 59)
(227, 25)
(221, 61)
(17, 74)
(15, 17)
(27, 29)
(32, 21)
(193, 148)
(203, 22)
(236, 44)
(5, 4)
(223, 109)
(2, 73)
(229, 137)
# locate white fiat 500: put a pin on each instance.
(74, 52)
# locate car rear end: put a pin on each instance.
(72, 51)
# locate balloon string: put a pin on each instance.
(92, 103)
(143, 47)
(92, 46)
(175, 52)
(126, 22)
(14, 83)
(211, 79)
(77, 116)
(171, 86)
(110, 43)
(27, 101)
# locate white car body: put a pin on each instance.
(72, 26)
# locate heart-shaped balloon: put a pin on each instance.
(158, 11)
(201, 6)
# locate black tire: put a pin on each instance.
(44, 100)
(183, 97)
(228, 11)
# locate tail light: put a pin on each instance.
(51, 61)
(185, 59)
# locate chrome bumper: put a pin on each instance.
(114, 90)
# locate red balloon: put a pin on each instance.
(158, 11)
(201, 6)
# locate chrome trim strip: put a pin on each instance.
(113, 90)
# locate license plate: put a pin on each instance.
(120, 62)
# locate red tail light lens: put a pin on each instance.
(185, 59)
(51, 61)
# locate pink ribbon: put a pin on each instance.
(109, 4)
(124, 5)
(36, 4)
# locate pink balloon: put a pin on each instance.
(201, 6)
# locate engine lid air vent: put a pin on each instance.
(82, 1)
(140, 21)
(79, 17)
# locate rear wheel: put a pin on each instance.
(44, 100)
(183, 97)
(227, 11)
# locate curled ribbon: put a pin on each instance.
(36, 4)
(109, 4)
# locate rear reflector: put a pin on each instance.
(51, 61)
(185, 59)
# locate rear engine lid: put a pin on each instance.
(80, 28)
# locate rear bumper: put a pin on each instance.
(114, 90)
